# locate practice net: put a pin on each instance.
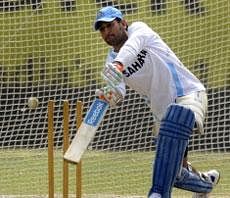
(49, 50)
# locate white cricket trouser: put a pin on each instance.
(197, 102)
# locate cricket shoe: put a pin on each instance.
(213, 176)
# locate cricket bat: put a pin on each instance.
(86, 131)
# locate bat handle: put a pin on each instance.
(102, 98)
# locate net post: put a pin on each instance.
(51, 148)
(79, 110)
(65, 147)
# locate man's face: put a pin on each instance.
(114, 33)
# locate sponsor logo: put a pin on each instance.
(96, 113)
(136, 65)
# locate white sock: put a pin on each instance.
(155, 195)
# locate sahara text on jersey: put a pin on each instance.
(138, 64)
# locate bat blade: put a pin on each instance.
(86, 131)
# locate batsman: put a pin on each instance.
(141, 60)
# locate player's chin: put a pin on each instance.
(111, 41)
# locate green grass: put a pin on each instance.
(24, 172)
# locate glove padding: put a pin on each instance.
(112, 74)
(112, 95)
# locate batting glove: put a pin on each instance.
(112, 95)
(112, 74)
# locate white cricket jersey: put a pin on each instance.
(152, 69)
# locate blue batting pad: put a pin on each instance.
(175, 130)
